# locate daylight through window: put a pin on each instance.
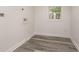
(54, 12)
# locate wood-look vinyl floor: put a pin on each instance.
(40, 43)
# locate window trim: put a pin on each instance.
(61, 17)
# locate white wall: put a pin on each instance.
(12, 27)
(75, 26)
(44, 26)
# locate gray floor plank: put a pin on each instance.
(39, 43)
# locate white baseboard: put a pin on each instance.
(23, 41)
(48, 34)
(19, 44)
(75, 43)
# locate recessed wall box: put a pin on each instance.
(1, 14)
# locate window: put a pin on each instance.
(54, 12)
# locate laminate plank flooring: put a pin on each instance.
(41, 43)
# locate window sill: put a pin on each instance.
(56, 20)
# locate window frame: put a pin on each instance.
(61, 13)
